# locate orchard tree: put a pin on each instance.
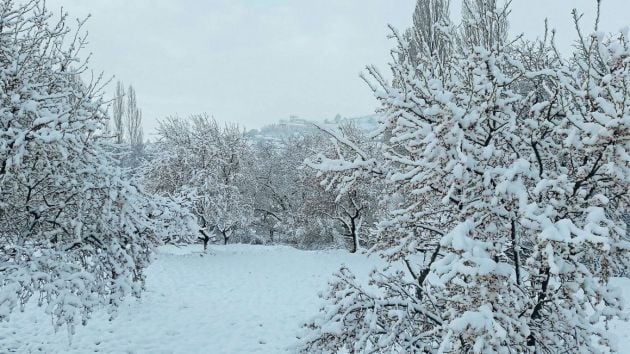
(356, 201)
(74, 233)
(269, 191)
(225, 209)
(506, 180)
(198, 160)
(290, 204)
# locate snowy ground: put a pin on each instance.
(240, 299)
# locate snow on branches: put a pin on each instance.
(506, 174)
(75, 234)
(200, 161)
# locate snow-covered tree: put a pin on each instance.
(356, 201)
(292, 205)
(202, 161)
(484, 23)
(430, 36)
(225, 209)
(74, 234)
(281, 191)
(507, 177)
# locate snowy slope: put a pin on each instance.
(240, 299)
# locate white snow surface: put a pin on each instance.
(236, 299)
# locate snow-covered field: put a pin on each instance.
(239, 299)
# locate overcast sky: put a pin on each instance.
(254, 62)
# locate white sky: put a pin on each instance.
(254, 62)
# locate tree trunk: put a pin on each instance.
(206, 239)
(226, 238)
(354, 232)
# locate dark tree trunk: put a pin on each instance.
(354, 237)
(206, 239)
(226, 238)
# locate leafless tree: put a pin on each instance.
(118, 112)
(133, 118)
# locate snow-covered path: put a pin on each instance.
(240, 299)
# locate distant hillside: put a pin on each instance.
(294, 126)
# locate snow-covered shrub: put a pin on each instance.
(74, 233)
(507, 173)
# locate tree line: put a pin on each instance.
(254, 189)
